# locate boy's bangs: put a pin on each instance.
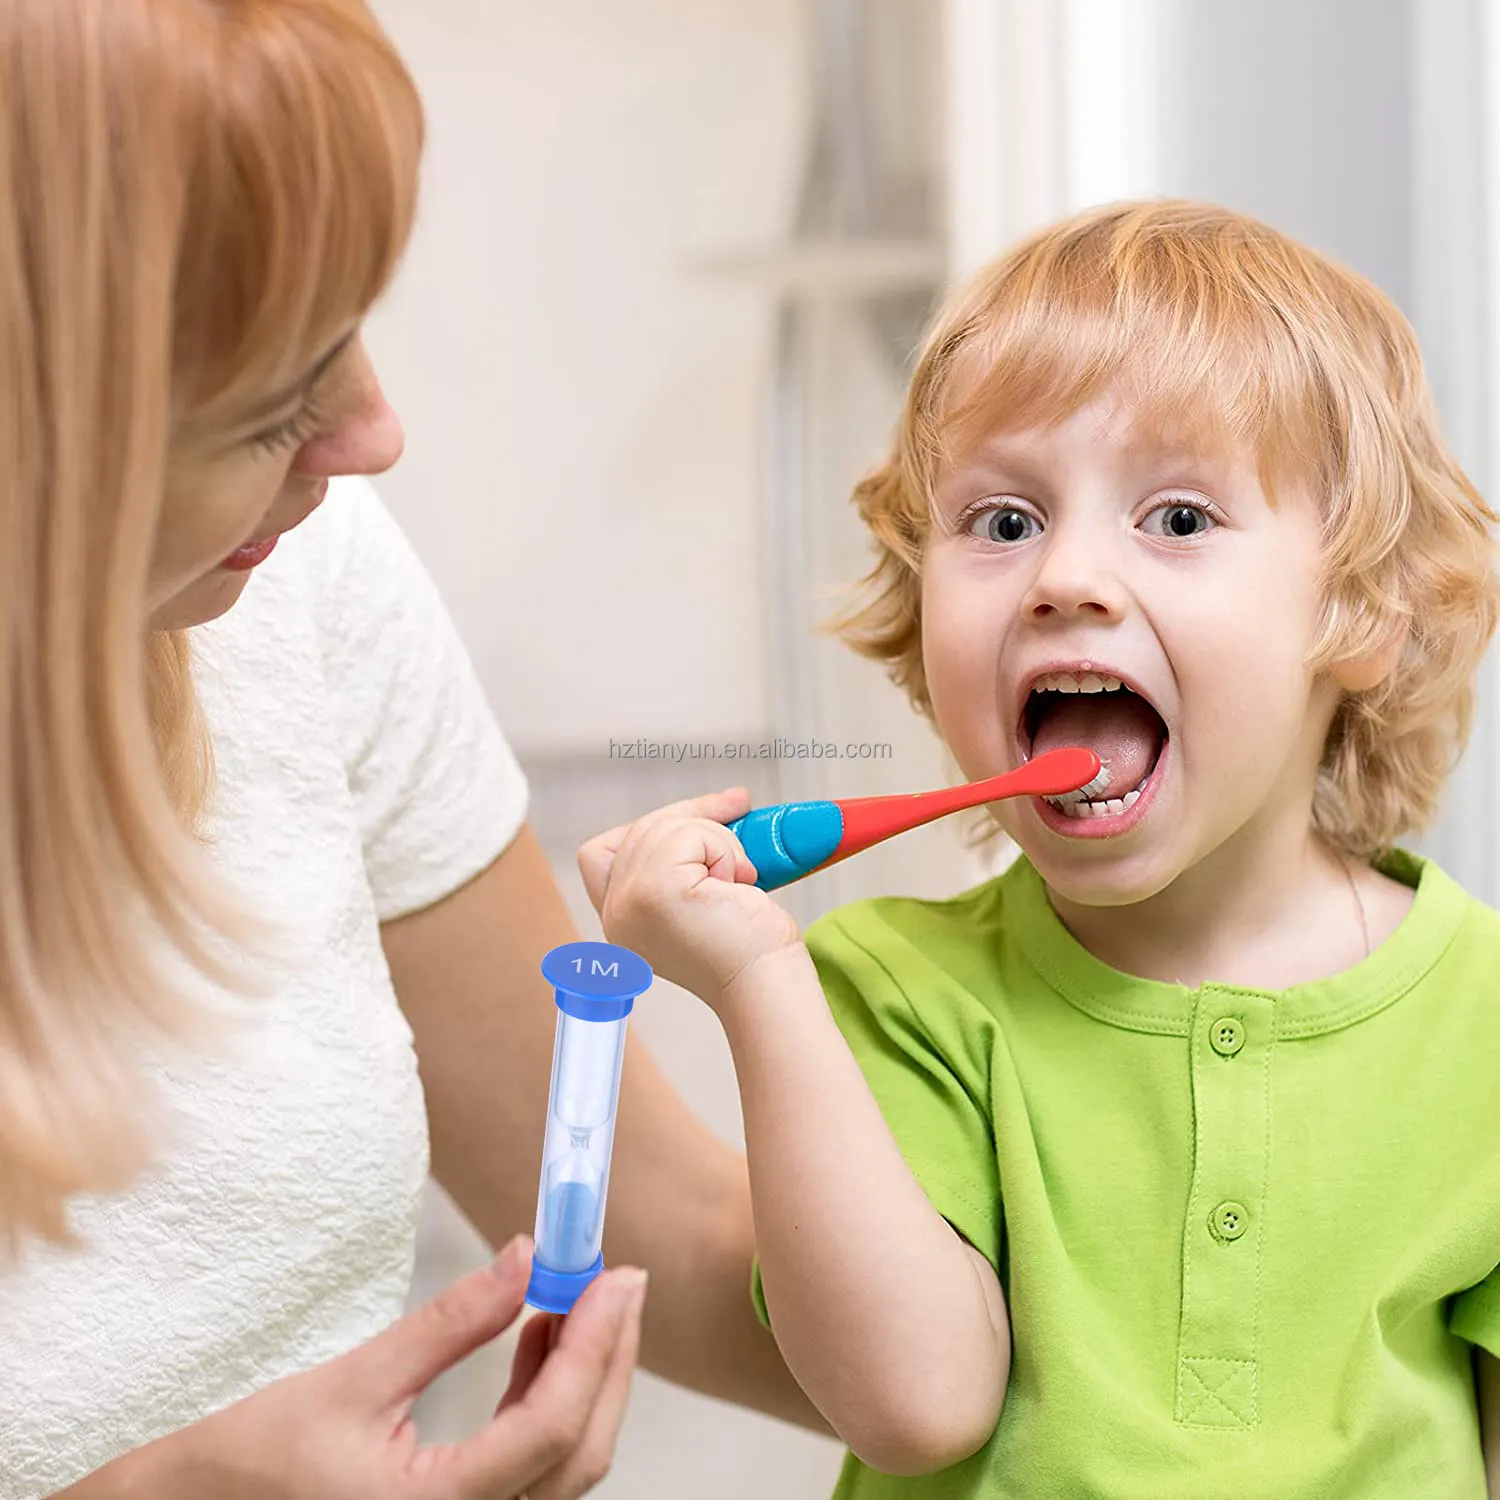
(1199, 363)
(303, 194)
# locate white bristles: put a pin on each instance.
(1086, 793)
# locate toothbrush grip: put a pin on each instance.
(789, 839)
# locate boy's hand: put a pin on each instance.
(676, 887)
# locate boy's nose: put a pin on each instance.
(1074, 579)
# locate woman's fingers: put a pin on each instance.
(591, 1460)
(597, 856)
(399, 1364)
(531, 1350)
(543, 1428)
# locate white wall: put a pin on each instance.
(583, 410)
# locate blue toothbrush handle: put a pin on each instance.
(789, 840)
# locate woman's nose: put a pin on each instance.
(1075, 577)
(361, 433)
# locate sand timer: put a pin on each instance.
(596, 985)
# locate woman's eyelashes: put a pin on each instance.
(293, 432)
(1008, 521)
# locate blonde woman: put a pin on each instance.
(270, 913)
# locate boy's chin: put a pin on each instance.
(1097, 873)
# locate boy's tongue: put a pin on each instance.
(1122, 729)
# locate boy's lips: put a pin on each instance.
(1110, 736)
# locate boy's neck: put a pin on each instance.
(1269, 909)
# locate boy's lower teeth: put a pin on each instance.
(1107, 808)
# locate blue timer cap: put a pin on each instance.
(596, 981)
(557, 1291)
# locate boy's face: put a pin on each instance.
(1092, 550)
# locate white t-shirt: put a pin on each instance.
(361, 777)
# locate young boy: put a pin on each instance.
(1166, 1165)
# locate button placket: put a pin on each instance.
(1218, 1373)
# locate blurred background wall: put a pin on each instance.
(673, 259)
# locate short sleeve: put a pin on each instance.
(925, 1072)
(1475, 1315)
(438, 792)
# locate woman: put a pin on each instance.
(257, 806)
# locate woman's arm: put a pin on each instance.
(467, 973)
(1488, 1368)
(894, 1325)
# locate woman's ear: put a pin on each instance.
(1358, 674)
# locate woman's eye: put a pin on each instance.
(1179, 521)
(1004, 524)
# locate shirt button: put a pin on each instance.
(1227, 1036)
(1229, 1221)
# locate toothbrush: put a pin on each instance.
(791, 839)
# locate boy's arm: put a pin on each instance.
(1489, 1417)
(893, 1324)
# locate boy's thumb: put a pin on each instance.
(411, 1354)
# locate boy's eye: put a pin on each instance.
(1179, 521)
(1004, 524)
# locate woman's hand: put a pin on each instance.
(343, 1431)
(677, 887)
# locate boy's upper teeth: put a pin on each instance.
(1076, 682)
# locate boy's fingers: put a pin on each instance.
(590, 1461)
(700, 842)
(540, 1431)
(596, 858)
(404, 1360)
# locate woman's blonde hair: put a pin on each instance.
(1215, 327)
(196, 197)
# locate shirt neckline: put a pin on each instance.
(1303, 1010)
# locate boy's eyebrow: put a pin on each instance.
(1000, 457)
(301, 387)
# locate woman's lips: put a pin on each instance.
(253, 554)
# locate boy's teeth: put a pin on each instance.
(1076, 682)
(1108, 809)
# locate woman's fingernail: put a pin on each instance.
(513, 1256)
(633, 1282)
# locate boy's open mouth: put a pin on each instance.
(1101, 714)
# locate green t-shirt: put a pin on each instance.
(1247, 1238)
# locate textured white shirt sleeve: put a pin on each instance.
(438, 792)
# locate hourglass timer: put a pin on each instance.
(596, 985)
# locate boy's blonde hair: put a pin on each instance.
(1215, 327)
(196, 197)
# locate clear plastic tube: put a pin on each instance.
(586, 1061)
(596, 985)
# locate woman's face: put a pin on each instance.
(227, 503)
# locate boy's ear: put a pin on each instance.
(1358, 674)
